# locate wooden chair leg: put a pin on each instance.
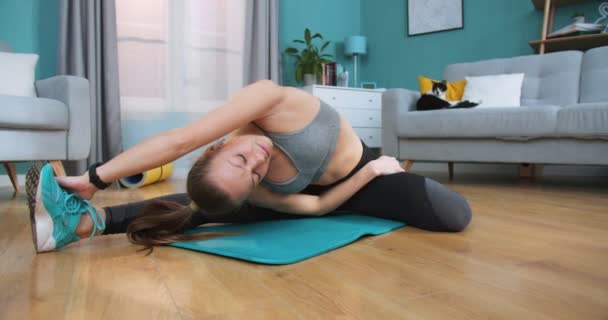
(12, 174)
(451, 170)
(407, 164)
(57, 167)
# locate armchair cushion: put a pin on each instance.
(32, 113)
(17, 73)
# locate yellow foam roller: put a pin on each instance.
(148, 177)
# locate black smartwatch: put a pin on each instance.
(94, 178)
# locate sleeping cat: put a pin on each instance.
(434, 99)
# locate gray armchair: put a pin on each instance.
(53, 126)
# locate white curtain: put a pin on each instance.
(179, 55)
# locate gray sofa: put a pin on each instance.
(563, 118)
(55, 125)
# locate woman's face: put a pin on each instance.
(240, 164)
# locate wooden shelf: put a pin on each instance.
(583, 42)
(540, 4)
(544, 44)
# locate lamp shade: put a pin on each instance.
(355, 45)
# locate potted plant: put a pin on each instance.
(578, 17)
(309, 61)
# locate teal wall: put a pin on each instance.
(333, 19)
(30, 26)
(492, 29)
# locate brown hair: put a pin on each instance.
(162, 222)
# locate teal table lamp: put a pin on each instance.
(354, 46)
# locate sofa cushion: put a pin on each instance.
(32, 113)
(525, 121)
(494, 91)
(549, 79)
(594, 75)
(585, 120)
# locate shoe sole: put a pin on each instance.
(31, 185)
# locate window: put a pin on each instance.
(179, 55)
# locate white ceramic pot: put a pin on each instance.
(579, 19)
(309, 79)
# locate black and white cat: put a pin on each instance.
(435, 99)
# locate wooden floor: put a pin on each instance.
(534, 250)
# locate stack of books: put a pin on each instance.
(329, 76)
(577, 29)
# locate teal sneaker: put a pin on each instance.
(55, 213)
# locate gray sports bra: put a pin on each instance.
(309, 149)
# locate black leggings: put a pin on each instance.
(418, 201)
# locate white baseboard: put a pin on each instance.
(5, 181)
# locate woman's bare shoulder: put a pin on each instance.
(294, 111)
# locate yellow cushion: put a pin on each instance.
(455, 89)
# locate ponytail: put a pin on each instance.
(162, 222)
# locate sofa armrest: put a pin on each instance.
(395, 102)
(75, 94)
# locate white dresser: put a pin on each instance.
(362, 108)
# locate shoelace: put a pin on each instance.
(75, 205)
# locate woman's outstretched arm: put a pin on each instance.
(328, 201)
(251, 103)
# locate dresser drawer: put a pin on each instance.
(371, 137)
(350, 98)
(366, 118)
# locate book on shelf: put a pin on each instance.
(328, 74)
(577, 29)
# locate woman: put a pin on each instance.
(288, 154)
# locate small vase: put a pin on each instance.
(310, 79)
(578, 19)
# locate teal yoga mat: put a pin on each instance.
(289, 241)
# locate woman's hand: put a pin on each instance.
(79, 185)
(385, 166)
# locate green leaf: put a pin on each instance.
(324, 46)
(318, 35)
(291, 50)
(299, 41)
(307, 36)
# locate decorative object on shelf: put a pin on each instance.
(577, 28)
(343, 79)
(310, 60)
(578, 17)
(603, 10)
(368, 85)
(355, 46)
(428, 16)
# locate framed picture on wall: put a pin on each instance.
(428, 16)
